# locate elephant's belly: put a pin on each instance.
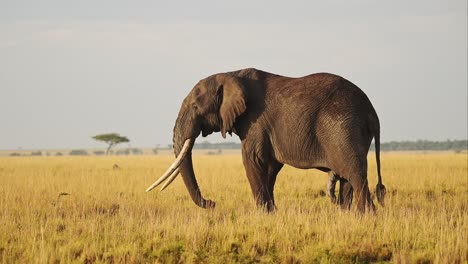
(303, 160)
(308, 165)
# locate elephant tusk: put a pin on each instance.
(188, 144)
(170, 180)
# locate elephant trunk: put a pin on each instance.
(186, 167)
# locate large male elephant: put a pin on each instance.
(319, 121)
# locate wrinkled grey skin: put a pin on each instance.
(319, 121)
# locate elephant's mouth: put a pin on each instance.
(207, 131)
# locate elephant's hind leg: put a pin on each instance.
(353, 182)
(363, 195)
(332, 179)
(345, 196)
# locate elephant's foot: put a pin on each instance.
(208, 204)
(267, 206)
(363, 196)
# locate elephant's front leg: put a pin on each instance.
(261, 173)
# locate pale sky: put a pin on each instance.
(72, 69)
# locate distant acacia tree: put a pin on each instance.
(112, 139)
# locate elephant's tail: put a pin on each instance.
(380, 189)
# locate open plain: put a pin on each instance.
(85, 209)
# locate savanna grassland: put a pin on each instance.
(80, 209)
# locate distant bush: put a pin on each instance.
(58, 154)
(78, 152)
(36, 153)
(155, 151)
(99, 152)
(219, 152)
(136, 151)
(15, 154)
(128, 151)
(122, 152)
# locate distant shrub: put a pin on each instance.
(99, 152)
(58, 154)
(36, 153)
(219, 152)
(78, 152)
(136, 151)
(155, 151)
(15, 154)
(122, 152)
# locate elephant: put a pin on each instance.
(332, 179)
(320, 121)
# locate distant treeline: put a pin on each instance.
(223, 145)
(209, 145)
(420, 145)
(455, 145)
(82, 152)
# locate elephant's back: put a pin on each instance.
(319, 100)
(313, 91)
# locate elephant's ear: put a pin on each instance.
(233, 101)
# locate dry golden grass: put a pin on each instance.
(109, 218)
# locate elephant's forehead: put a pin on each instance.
(187, 99)
(198, 87)
(196, 91)
(203, 87)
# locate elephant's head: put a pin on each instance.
(211, 106)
